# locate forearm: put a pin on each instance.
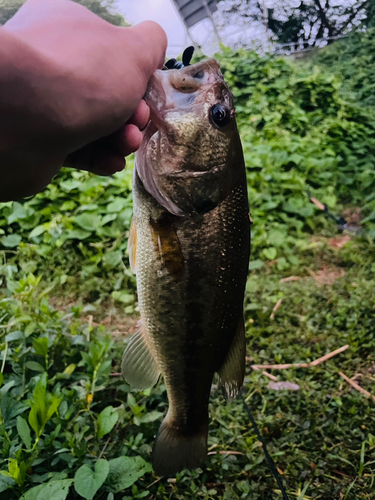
(26, 79)
(26, 115)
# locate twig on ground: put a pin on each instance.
(290, 278)
(269, 375)
(156, 481)
(301, 365)
(107, 442)
(226, 453)
(115, 374)
(356, 386)
(278, 304)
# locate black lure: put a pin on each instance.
(186, 58)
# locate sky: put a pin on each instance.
(164, 13)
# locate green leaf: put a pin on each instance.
(89, 222)
(5, 482)
(112, 259)
(54, 406)
(24, 431)
(16, 335)
(34, 366)
(17, 213)
(125, 471)
(11, 241)
(40, 346)
(56, 490)
(77, 234)
(37, 231)
(124, 297)
(255, 264)
(38, 412)
(87, 482)
(107, 420)
(70, 184)
(117, 205)
(276, 238)
(17, 471)
(270, 253)
(150, 417)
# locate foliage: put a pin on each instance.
(69, 429)
(353, 60)
(299, 136)
(303, 23)
(79, 227)
(102, 8)
(59, 405)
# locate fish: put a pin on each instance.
(189, 246)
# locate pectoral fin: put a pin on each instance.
(168, 246)
(132, 247)
(138, 365)
(232, 371)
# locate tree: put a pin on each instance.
(102, 8)
(304, 22)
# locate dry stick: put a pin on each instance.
(301, 365)
(278, 304)
(290, 278)
(156, 481)
(226, 453)
(272, 377)
(356, 386)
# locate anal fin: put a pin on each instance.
(138, 365)
(232, 371)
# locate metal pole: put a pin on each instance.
(196, 45)
(209, 14)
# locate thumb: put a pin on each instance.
(151, 41)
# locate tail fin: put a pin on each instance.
(176, 450)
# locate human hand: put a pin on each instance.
(73, 94)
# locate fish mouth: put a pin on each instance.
(183, 89)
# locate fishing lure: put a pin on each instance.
(186, 58)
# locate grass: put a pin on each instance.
(321, 437)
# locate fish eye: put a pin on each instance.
(219, 115)
(199, 75)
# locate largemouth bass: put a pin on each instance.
(189, 246)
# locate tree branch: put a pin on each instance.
(324, 18)
(352, 16)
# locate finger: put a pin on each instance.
(152, 42)
(125, 141)
(96, 158)
(141, 116)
